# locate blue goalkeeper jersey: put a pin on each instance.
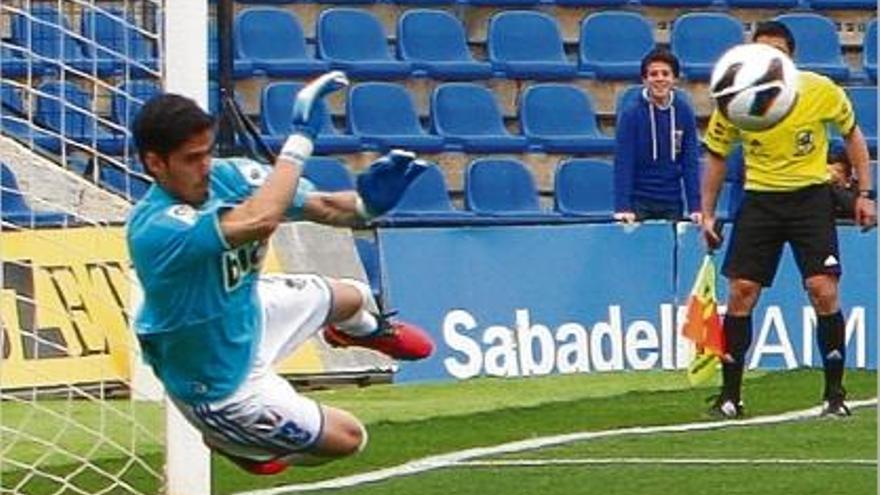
(199, 324)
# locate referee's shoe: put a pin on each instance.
(834, 406)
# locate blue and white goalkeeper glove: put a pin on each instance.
(385, 181)
(307, 119)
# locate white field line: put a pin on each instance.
(450, 459)
(661, 461)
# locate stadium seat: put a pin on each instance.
(559, 118)
(592, 3)
(763, 4)
(817, 45)
(276, 108)
(15, 209)
(119, 44)
(843, 4)
(122, 181)
(468, 118)
(699, 39)
(864, 101)
(13, 63)
(612, 44)
(426, 200)
(434, 42)
(328, 174)
(869, 50)
(67, 109)
(353, 40)
(527, 45)
(128, 100)
(584, 188)
(368, 252)
(270, 41)
(677, 3)
(14, 120)
(502, 187)
(499, 3)
(49, 35)
(383, 116)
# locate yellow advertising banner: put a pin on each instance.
(65, 309)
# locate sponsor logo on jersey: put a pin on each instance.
(240, 262)
(185, 213)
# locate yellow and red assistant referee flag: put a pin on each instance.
(703, 325)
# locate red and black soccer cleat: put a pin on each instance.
(396, 339)
(262, 468)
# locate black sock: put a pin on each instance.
(830, 333)
(738, 336)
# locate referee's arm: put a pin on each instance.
(857, 152)
(713, 178)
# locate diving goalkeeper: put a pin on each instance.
(211, 325)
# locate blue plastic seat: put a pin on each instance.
(817, 45)
(270, 41)
(15, 122)
(276, 109)
(763, 4)
(49, 35)
(584, 188)
(501, 187)
(434, 42)
(699, 39)
(559, 118)
(15, 210)
(592, 3)
(677, 3)
(119, 44)
(67, 109)
(328, 174)
(468, 118)
(527, 45)
(843, 4)
(500, 3)
(13, 63)
(383, 116)
(426, 200)
(864, 101)
(869, 50)
(612, 44)
(353, 40)
(122, 181)
(127, 102)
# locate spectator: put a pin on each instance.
(657, 147)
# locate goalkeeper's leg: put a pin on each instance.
(355, 321)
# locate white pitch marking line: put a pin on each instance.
(444, 460)
(660, 461)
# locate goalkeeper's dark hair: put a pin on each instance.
(660, 55)
(775, 29)
(167, 121)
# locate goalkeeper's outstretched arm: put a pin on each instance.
(257, 217)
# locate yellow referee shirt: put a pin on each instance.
(793, 153)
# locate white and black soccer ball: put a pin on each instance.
(754, 85)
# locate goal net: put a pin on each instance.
(72, 416)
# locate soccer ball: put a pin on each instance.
(754, 85)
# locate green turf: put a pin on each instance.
(456, 416)
(414, 421)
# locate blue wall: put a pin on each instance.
(534, 300)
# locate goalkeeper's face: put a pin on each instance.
(184, 173)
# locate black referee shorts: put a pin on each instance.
(767, 220)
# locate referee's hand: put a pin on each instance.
(865, 213)
(712, 233)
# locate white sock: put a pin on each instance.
(362, 323)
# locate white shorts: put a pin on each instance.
(266, 418)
